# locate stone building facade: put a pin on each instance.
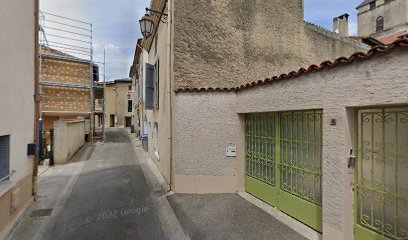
(66, 88)
(383, 18)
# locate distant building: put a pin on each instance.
(119, 103)
(384, 20)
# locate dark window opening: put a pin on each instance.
(4, 157)
(129, 105)
(379, 24)
(372, 5)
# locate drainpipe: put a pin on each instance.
(170, 77)
(37, 97)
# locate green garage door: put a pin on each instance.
(381, 174)
(283, 162)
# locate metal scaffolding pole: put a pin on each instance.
(67, 42)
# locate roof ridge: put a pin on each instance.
(340, 37)
(400, 43)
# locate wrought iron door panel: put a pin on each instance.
(261, 147)
(382, 174)
(300, 154)
(283, 162)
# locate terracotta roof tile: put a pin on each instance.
(400, 43)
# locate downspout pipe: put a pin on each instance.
(171, 85)
(37, 97)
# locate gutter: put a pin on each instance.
(170, 76)
(37, 97)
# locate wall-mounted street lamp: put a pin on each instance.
(146, 23)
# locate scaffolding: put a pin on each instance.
(69, 75)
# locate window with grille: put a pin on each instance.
(4, 157)
(379, 24)
(372, 5)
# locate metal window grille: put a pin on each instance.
(4, 157)
(382, 172)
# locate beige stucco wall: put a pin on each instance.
(161, 116)
(228, 43)
(395, 16)
(69, 137)
(206, 122)
(117, 103)
(17, 102)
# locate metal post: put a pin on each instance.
(92, 122)
(104, 96)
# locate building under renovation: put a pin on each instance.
(68, 74)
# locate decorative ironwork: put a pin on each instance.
(298, 138)
(382, 171)
(301, 154)
(261, 147)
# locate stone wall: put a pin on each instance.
(228, 43)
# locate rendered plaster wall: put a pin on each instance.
(159, 144)
(206, 122)
(228, 43)
(395, 15)
(17, 102)
(69, 137)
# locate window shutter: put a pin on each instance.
(149, 87)
(157, 82)
(4, 156)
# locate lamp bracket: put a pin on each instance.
(158, 14)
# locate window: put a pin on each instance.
(156, 140)
(156, 83)
(149, 87)
(379, 24)
(388, 1)
(372, 5)
(130, 87)
(129, 105)
(4, 157)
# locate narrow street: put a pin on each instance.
(102, 194)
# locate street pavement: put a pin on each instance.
(102, 194)
(113, 191)
(227, 216)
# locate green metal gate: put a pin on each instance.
(283, 162)
(381, 174)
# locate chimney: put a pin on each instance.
(340, 24)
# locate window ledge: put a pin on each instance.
(5, 186)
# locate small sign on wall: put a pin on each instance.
(231, 151)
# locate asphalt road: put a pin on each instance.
(101, 195)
